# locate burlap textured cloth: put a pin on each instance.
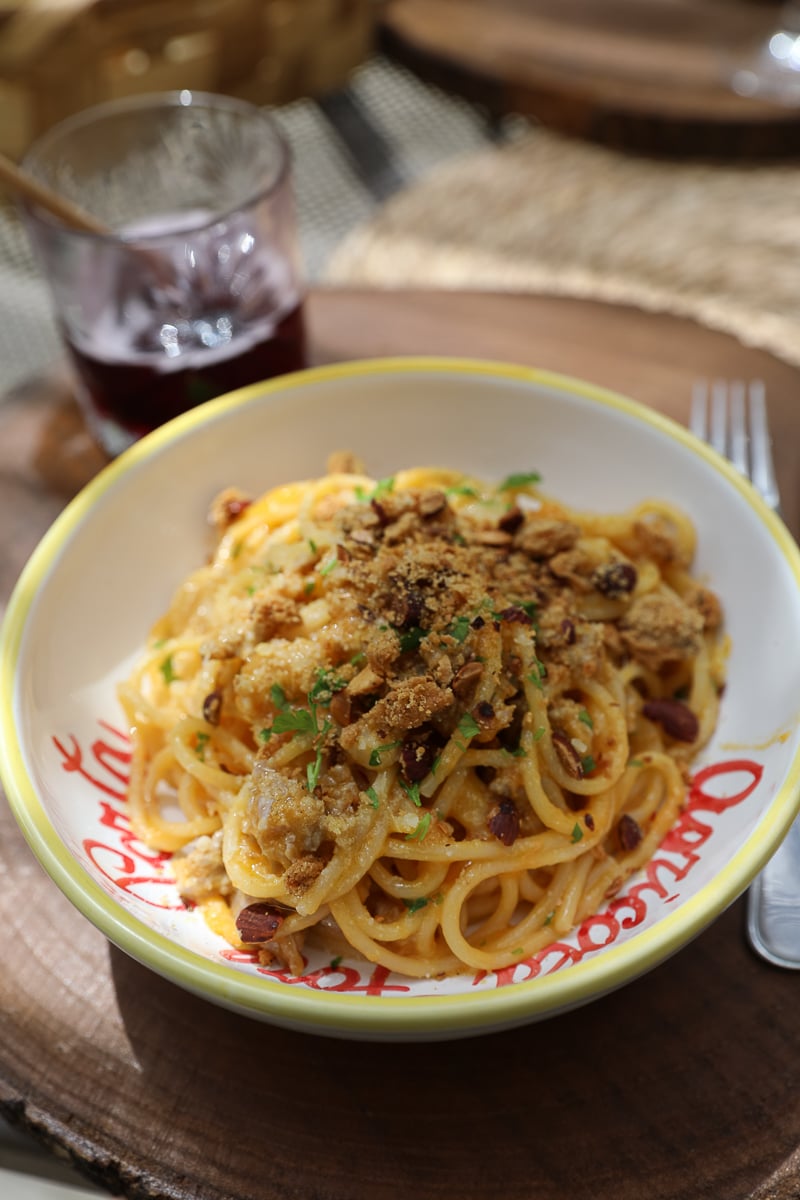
(719, 243)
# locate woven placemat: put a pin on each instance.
(718, 243)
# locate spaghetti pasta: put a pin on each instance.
(424, 719)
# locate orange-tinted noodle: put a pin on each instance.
(429, 720)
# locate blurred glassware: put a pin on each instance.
(197, 288)
(771, 70)
(59, 58)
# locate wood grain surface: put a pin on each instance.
(681, 1086)
(646, 75)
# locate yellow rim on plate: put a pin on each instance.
(327, 1011)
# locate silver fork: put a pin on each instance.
(732, 418)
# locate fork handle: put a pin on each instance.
(773, 905)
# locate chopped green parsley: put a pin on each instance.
(325, 684)
(305, 721)
(167, 669)
(412, 791)
(421, 831)
(524, 479)
(468, 726)
(460, 628)
(200, 742)
(375, 755)
(411, 638)
(382, 488)
(373, 797)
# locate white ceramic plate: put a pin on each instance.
(110, 564)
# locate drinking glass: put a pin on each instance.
(770, 69)
(194, 286)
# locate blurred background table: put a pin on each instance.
(652, 76)
(681, 1086)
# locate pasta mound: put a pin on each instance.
(428, 720)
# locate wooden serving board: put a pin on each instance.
(645, 75)
(681, 1086)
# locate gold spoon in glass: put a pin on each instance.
(24, 185)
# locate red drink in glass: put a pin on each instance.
(195, 290)
(138, 394)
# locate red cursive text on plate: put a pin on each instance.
(626, 912)
(127, 863)
(345, 978)
(121, 856)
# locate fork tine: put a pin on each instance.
(719, 416)
(739, 441)
(698, 419)
(762, 474)
(732, 419)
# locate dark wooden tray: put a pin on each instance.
(681, 1086)
(646, 75)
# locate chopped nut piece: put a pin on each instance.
(675, 718)
(466, 680)
(416, 760)
(504, 822)
(484, 714)
(341, 708)
(658, 630)
(227, 507)
(658, 539)
(493, 537)
(707, 604)
(366, 683)
(515, 615)
(431, 503)
(511, 521)
(363, 538)
(345, 462)
(259, 922)
(568, 756)
(541, 537)
(212, 707)
(407, 608)
(615, 579)
(628, 832)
